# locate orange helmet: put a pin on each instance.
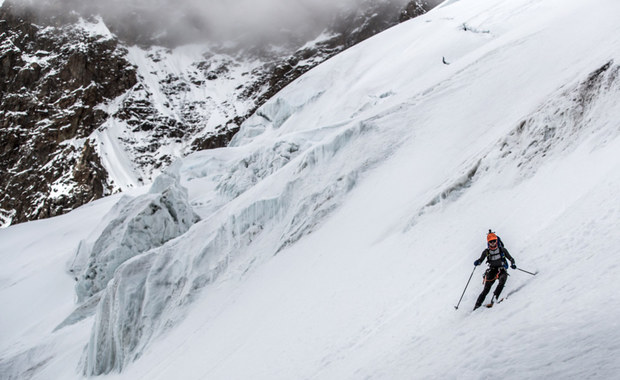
(492, 240)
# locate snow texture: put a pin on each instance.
(337, 232)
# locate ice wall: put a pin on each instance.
(266, 197)
(135, 226)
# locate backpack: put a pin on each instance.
(500, 245)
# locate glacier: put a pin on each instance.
(280, 204)
(138, 225)
(333, 237)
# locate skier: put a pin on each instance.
(496, 256)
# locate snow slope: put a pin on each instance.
(339, 229)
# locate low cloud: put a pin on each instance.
(217, 20)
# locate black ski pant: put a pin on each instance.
(490, 276)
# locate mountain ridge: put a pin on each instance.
(86, 114)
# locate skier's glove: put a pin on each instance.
(513, 266)
(476, 263)
(505, 265)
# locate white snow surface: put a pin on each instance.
(339, 229)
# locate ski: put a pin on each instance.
(513, 291)
(490, 305)
(508, 294)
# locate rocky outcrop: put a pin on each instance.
(53, 81)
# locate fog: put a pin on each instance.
(216, 20)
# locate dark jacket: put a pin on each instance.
(496, 259)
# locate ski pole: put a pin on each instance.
(457, 305)
(533, 274)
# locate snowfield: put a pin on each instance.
(334, 237)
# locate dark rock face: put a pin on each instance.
(415, 8)
(58, 82)
(53, 79)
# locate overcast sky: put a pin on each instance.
(212, 19)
